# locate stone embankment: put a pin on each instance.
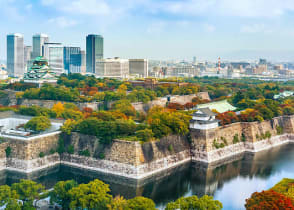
(226, 141)
(137, 160)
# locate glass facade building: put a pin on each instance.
(53, 52)
(38, 42)
(72, 59)
(15, 55)
(94, 52)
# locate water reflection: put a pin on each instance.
(230, 182)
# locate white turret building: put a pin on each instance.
(204, 119)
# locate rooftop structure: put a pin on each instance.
(11, 126)
(284, 94)
(219, 106)
(203, 119)
(40, 72)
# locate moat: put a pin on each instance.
(231, 183)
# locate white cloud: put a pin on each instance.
(62, 22)
(209, 27)
(255, 28)
(238, 8)
(157, 27)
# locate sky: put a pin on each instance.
(159, 29)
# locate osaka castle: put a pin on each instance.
(40, 72)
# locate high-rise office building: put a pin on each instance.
(15, 55)
(38, 42)
(72, 59)
(53, 52)
(114, 68)
(139, 67)
(94, 51)
(27, 56)
(83, 61)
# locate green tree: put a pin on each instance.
(93, 195)
(9, 197)
(38, 124)
(28, 191)
(60, 193)
(140, 203)
(193, 202)
(145, 135)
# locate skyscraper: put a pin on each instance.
(72, 59)
(38, 42)
(15, 55)
(94, 51)
(53, 52)
(83, 61)
(27, 56)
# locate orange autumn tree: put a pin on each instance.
(269, 200)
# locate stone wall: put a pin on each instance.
(49, 103)
(25, 154)
(139, 106)
(127, 158)
(206, 144)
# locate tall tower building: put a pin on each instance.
(83, 61)
(15, 55)
(72, 59)
(27, 56)
(53, 52)
(38, 42)
(94, 51)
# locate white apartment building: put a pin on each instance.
(112, 67)
(139, 67)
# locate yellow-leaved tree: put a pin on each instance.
(58, 109)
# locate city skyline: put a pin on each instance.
(159, 29)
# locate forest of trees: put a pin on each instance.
(96, 195)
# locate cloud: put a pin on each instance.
(255, 28)
(157, 27)
(209, 27)
(240, 8)
(62, 22)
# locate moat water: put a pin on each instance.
(231, 183)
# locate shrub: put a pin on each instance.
(268, 135)
(145, 135)
(8, 151)
(236, 139)
(85, 153)
(170, 148)
(101, 156)
(38, 124)
(52, 151)
(215, 144)
(243, 138)
(60, 146)
(280, 130)
(70, 149)
(41, 154)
